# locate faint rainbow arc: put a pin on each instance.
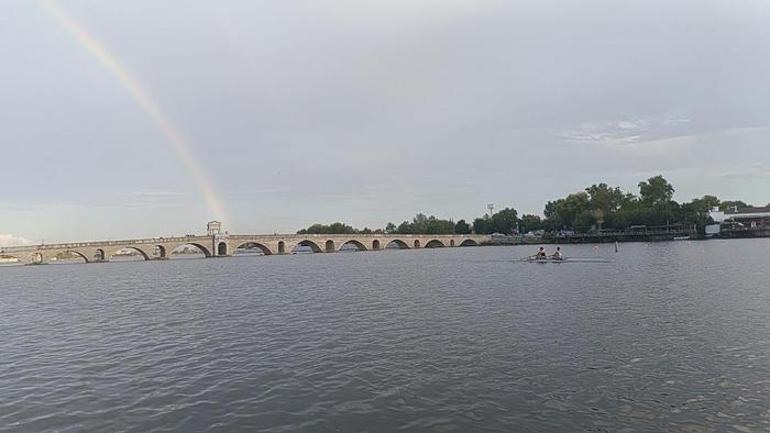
(150, 107)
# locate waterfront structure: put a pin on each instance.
(225, 245)
(739, 223)
(637, 233)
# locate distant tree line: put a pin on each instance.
(600, 206)
(336, 229)
(597, 207)
(506, 221)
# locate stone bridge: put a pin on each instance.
(226, 245)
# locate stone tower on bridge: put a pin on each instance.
(214, 228)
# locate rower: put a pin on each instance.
(558, 255)
(541, 254)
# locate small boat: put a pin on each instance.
(544, 260)
(564, 260)
(682, 238)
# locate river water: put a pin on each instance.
(670, 337)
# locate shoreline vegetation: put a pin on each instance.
(599, 208)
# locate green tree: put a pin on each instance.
(422, 224)
(609, 207)
(405, 228)
(732, 204)
(563, 213)
(602, 197)
(553, 218)
(697, 211)
(331, 229)
(482, 226)
(462, 228)
(584, 221)
(437, 226)
(656, 191)
(530, 223)
(603, 201)
(504, 221)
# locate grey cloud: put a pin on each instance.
(370, 111)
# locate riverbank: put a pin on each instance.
(630, 237)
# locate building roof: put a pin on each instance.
(750, 212)
(734, 211)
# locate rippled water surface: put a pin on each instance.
(667, 337)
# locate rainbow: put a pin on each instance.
(146, 102)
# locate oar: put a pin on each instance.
(586, 260)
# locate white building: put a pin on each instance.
(717, 215)
(738, 220)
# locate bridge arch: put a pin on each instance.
(134, 249)
(376, 245)
(309, 244)
(23, 258)
(281, 247)
(359, 246)
(417, 243)
(70, 256)
(451, 242)
(10, 260)
(434, 243)
(179, 247)
(244, 247)
(330, 248)
(161, 252)
(398, 244)
(469, 243)
(222, 249)
(99, 255)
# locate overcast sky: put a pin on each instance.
(370, 111)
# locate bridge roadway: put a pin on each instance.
(226, 245)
